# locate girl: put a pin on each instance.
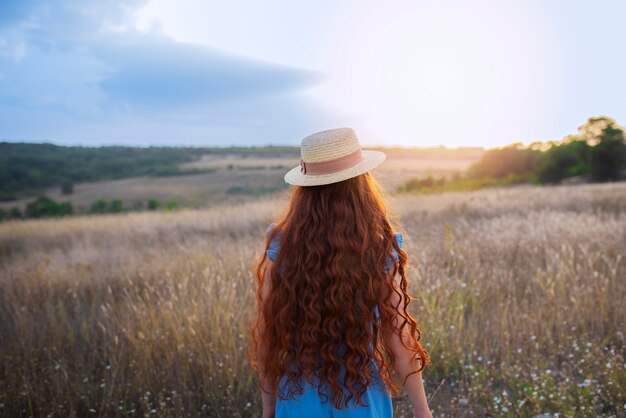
(332, 323)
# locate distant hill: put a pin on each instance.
(29, 168)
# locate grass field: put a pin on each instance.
(520, 297)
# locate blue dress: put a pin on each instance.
(309, 404)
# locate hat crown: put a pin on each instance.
(329, 145)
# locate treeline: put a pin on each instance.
(28, 169)
(46, 207)
(597, 153)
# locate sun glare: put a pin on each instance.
(417, 75)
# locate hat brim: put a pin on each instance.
(371, 159)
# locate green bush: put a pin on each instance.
(15, 212)
(171, 205)
(99, 206)
(44, 206)
(153, 204)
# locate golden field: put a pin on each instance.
(519, 294)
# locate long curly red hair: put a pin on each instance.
(327, 279)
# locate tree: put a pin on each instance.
(502, 162)
(592, 130)
(563, 160)
(608, 159)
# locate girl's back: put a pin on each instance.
(332, 292)
(315, 395)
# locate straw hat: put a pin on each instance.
(332, 156)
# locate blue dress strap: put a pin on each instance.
(272, 251)
(398, 237)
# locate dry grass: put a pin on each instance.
(520, 296)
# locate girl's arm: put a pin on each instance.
(269, 399)
(405, 362)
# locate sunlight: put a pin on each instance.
(430, 75)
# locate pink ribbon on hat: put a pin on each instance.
(331, 166)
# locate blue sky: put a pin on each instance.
(407, 72)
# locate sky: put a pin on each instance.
(220, 73)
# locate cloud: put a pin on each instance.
(73, 68)
(149, 71)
